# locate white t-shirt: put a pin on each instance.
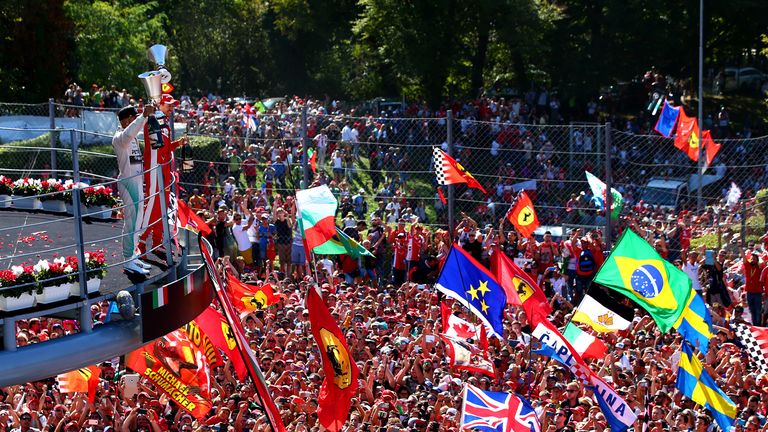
(692, 270)
(241, 235)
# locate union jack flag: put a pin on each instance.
(495, 411)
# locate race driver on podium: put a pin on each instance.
(158, 154)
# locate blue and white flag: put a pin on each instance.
(667, 120)
(617, 413)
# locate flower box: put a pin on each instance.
(27, 203)
(70, 209)
(54, 206)
(52, 294)
(93, 285)
(99, 212)
(5, 201)
(26, 300)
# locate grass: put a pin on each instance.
(755, 227)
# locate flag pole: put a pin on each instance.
(699, 199)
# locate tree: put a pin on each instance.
(36, 50)
(112, 38)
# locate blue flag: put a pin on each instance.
(695, 324)
(466, 280)
(667, 120)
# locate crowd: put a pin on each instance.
(387, 305)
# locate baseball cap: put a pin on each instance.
(127, 112)
(168, 99)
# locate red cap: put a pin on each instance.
(168, 99)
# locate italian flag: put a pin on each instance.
(160, 297)
(584, 343)
(317, 212)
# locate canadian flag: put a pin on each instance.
(456, 327)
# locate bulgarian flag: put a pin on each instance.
(312, 159)
(317, 213)
(584, 343)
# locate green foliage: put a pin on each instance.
(360, 49)
(112, 38)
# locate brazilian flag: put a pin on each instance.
(636, 270)
(341, 244)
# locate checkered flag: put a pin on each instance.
(448, 171)
(755, 340)
(439, 162)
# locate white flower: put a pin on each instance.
(17, 270)
(68, 269)
(87, 256)
(60, 260)
(41, 266)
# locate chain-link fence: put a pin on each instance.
(383, 164)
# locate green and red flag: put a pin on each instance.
(317, 213)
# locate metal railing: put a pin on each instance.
(71, 158)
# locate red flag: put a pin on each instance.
(520, 288)
(457, 327)
(468, 356)
(189, 219)
(313, 160)
(687, 137)
(710, 146)
(247, 298)
(177, 368)
(442, 197)
(341, 371)
(215, 326)
(80, 381)
(200, 339)
(523, 215)
(448, 171)
(254, 371)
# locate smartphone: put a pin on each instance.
(131, 385)
(93, 422)
(142, 411)
(429, 338)
(709, 257)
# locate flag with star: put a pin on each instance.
(475, 287)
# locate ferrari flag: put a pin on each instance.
(449, 171)
(341, 372)
(176, 367)
(523, 216)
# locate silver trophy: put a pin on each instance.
(156, 54)
(153, 84)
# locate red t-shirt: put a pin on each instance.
(249, 167)
(752, 275)
(399, 251)
(685, 237)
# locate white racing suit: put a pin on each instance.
(130, 183)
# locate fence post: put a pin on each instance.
(9, 334)
(304, 148)
(52, 118)
(85, 308)
(451, 198)
(608, 186)
(570, 149)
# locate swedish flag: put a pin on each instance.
(636, 270)
(694, 382)
(695, 324)
(466, 280)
